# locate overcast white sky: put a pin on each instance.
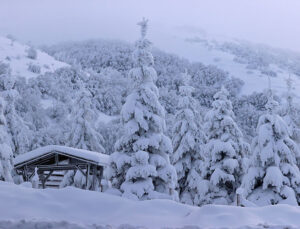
(274, 22)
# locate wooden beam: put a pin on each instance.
(45, 178)
(31, 175)
(78, 167)
(48, 175)
(58, 167)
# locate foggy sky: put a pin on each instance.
(273, 22)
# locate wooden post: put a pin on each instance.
(26, 173)
(87, 176)
(94, 177)
(43, 179)
(100, 178)
(239, 195)
(238, 199)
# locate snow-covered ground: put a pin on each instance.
(15, 54)
(76, 208)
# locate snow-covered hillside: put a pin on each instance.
(16, 55)
(51, 205)
(249, 62)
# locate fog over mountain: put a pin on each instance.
(272, 22)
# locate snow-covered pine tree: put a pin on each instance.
(273, 176)
(225, 153)
(6, 154)
(187, 140)
(21, 135)
(291, 113)
(83, 135)
(140, 168)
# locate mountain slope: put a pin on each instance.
(16, 55)
(252, 63)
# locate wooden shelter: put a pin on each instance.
(53, 161)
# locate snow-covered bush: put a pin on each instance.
(111, 132)
(34, 68)
(109, 90)
(273, 176)
(4, 69)
(31, 53)
(225, 153)
(7, 81)
(61, 84)
(35, 179)
(140, 166)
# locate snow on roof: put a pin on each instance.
(99, 158)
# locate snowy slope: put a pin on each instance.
(15, 54)
(86, 208)
(224, 52)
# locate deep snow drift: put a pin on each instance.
(71, 206)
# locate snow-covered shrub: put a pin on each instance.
(273, 176)
(169, 99)
(31, 53)
(4, 69)
(111, 132)
(109, 90)
(225, 153)
(34, 68)
(7, 81)
(61, 84)
(140, 166)
(46, 66)
(11, 38)
(35, 179)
